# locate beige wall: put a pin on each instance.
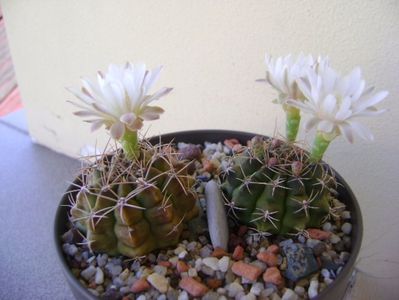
(212, 52)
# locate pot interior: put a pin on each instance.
(346, 196)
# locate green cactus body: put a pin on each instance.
(134, 207)
(274, 187)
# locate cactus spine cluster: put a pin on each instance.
(275, 187)
(134, 206)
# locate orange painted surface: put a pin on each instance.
(11, 103)
(10, 99)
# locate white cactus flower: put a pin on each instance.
(119, 99)
(283, 72)
(335, 102)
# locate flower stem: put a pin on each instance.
(320, 146)
(293, 118)
(130, 144)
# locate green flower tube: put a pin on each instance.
(293, 119)
(320, 145)
(130, 144)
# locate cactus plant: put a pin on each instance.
(138, 199)
(275, 187)
(133, 207)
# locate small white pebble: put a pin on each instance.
(198, 264)
(184, 274)
(161, 270)
(256, 288)
(183, 296)
(334, 239)
(233, 289)
(328, 281)
(325, 273)
(312, 243)
(173, 260)
(143, 272)
(245, 280)
(327, 226)
(211, 262)
(116, 270)
(299, 290)
(99, 278)
(219, 147)
(125, 274)
(70, 249)
(260, 264)
(346, 215)
(268, 292)
(192, 272)
(102, 260)
(142, 297)
(248, 296)
(275, 296)
(88, 273)
(192, 246)
(224, 263)
(159, 282)
(91, 259)
(289, 295)
(221, 291)
(346, 228)
(178, 250)
(183, 254)
(207, 271)
(301, 239)
(312, 291)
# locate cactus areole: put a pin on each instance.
(276, 187)
(133, 207)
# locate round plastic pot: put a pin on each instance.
(334, 291)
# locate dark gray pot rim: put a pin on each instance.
(198, 137)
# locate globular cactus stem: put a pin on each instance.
(275, 187)
(133, 207)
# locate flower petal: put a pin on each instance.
(117, 130)
(159, 94)
(371, 112)
(325, 126)
(344, 110)
(91, 86)
(151, 112)
(305, 106)
(361, 130)
(128, 118)
(151, 78)
(96, 125)
(347, 132)
(78, 94)
(311, 123)
(119, 99)
(86, 113)
(135, 125)
(329, 104)
(377, 98)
